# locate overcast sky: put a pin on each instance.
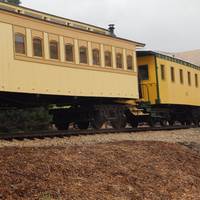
(167, 25)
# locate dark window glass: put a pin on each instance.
(119, 60)
(69, 52)
(162, 72)
(108, 59)
(181, 76)
(83, 55)
(54, 50)
(196, 80)
(37, 47)
(96, 57)
(20, 43)
(172, 74)
(130, 62)
(189, 78)
(143, 72)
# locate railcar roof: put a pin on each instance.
(168, 56)
(28, 12)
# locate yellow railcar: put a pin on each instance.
(170, 85)
(44, 57)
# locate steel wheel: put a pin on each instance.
(152, 122)
(196, 122)
(62, 126)
(188, 122)
(98, 121)
(164, 122)
(83, 125)
(118, 123)
(171, 122)
(134, 123)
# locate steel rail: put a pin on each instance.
(70, 133)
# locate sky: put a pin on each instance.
(165, 25)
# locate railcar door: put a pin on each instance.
(143, 76)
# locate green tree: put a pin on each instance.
(16, 2)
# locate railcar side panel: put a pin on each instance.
(175, 92)
(26, 74)
(6, 54)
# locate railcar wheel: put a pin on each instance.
(131, 118)
(123, 122)
(164, 122)
(83, 125)
(134, 123)
(98, 121)
(118, 123)
(152, 122)
(96, 124)
(188, 123)
(171, 122)
(196, 123)
(62, 127)
(182, 123)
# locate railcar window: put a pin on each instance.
(130, 62)
(172, 74)
(69, 52)
(83, 55)
(162, 72)
(181, 76)
(20, 46)
(53, 49)
(196, 80)
(37, 47)
(143, 72)
(96, 57)
(189, 78)
(108, 59)
(119, 60)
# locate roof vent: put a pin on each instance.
(111, 29)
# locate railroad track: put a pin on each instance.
(70, 133)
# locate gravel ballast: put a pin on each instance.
(182, 136)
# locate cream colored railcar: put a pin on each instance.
(48, 55)
(24, 72)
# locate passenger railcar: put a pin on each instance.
(169, 87)
(47, 59)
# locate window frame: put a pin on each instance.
(139, 72)
(99, 57)
(58, 51)
(42, 46)
(189, 78)
(181, 76)
(86, 48)
(132, 62)
(162, 72)
(172, 74)
(73, 52)
(25, 45)
(196, 80)
(111, 61)
(121, 61)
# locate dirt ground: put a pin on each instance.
(116, 170)
(162, 165)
